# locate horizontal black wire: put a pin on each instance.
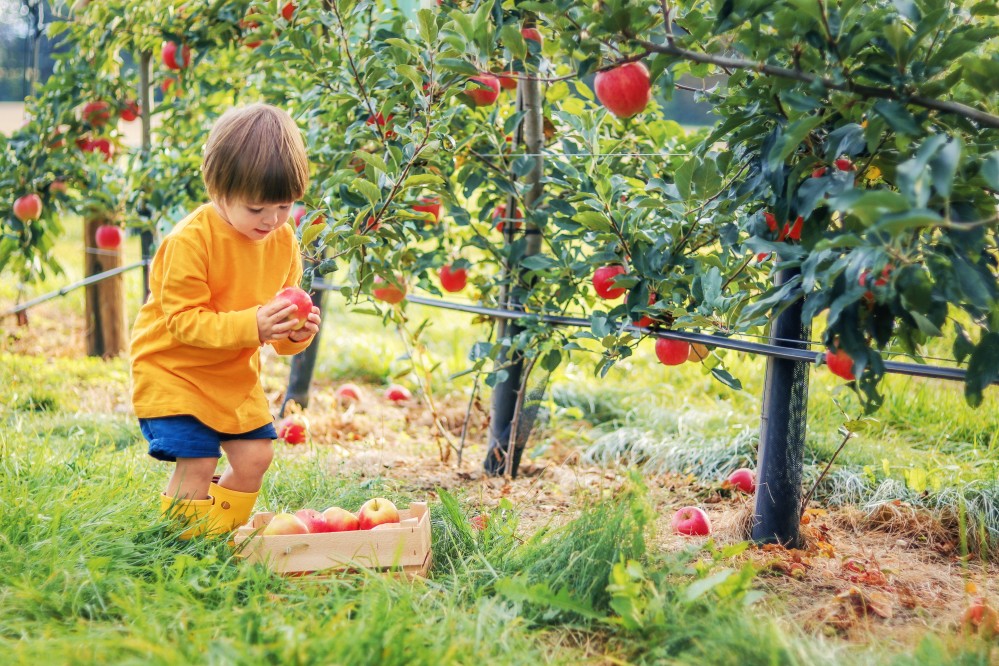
(788, 352)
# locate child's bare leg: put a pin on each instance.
(248, 460)
(191, 478)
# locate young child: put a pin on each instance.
(196, 341)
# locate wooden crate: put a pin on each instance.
(402, 549)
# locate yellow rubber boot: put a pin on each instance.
(232, 508)
(193, 514)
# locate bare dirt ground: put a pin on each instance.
(889, 576)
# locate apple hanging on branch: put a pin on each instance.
(485, 94)
(28, 207)
(170, 52)
(624, 90)
(453, 279)
(603, 281)
(672, 352)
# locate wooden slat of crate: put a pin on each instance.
(405, 547)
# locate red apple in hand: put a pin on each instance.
(285, 523)
(603, 279)
(483, 96)
(691, 521)
(349, 392)
(840, 364)
(744, 479)
(109, 237)
(302, 302)
(453, 279)
(292, 430)
(340, 520)
(624, 90)
(377, 511)
(315, 521)
(397, 393)
(672, 352)
(28, 207)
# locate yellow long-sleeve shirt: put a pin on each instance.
(195, 346)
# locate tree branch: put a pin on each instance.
(981, 117)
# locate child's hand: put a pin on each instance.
(311, 327)
(274, 320)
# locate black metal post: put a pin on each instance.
(303, 364)
(145, 99)
(782, 432)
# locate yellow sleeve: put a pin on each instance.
(186, 301)
(287, 347)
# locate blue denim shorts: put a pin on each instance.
(172, 437)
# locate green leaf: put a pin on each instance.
(422, 180)
(311, 232)
(593, 220)
(990, 170)
(983, 368)
(517, 589)
(375, 161)
(366, 189)
(701, 587)
(428, 25)
(410, 47)
(897, 223)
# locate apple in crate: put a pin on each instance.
(340, 520)
(377, 511)
(285, 523)
(691, 521)
(315, 521)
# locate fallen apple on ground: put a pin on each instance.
(691, 521)
(377, 511)
(302, 302)
(285, 523)
(348, 392)
(314, 520)
(292, 430)
(479, 521)
(397, 393)
(744, 479)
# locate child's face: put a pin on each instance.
(254, 220)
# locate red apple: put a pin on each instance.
(340, 520)
(390, 293)
(381, 120)
(348, 392)
(979, 616)
(744, 479)
(430, 205)
(315, 521)
(377, 511)
(168, 84)
(533, 35)
(28, 207)
(793, 231)
(771, 221)
(397, 393)
(506, 81)
(479, 521)
(844, 164)
(840, 364)
(249, 25)
(453, 279)
(302, 302)
(96, 114)
(625, 90)
(645, 320)
(288, 11)
(499, 213)
(109, 237)
(170, 50)
(131, 111)
(292, 430)
(672, 352)
(285, 523)
(819, 172)
(691, 521)
(483, 96)
(603, 280)
(58, 186)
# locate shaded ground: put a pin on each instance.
(890, 576)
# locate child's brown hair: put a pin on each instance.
(256, 154)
